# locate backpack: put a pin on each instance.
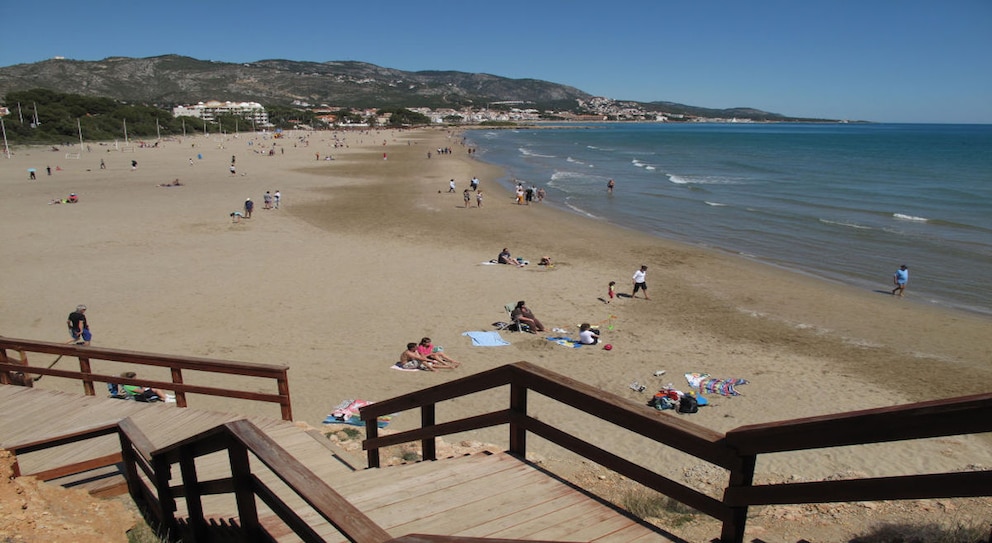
(688, 404)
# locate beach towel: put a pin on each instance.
(486, 339)
(565, 341)
(705, 383)
(347, 413)
(397, 366)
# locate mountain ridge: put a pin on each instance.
(169, 80)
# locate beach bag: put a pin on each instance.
(688, 404)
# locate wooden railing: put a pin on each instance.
(735, 451)
(149, 481)
(20, 370)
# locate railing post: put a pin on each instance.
(518, 406)
(741, 475)
(194, 503)
(428, 445)
(131, 470)
(244, 490)
(372, 432)
(166, 503)
(282, 383)
(84, 368)
(177, 379)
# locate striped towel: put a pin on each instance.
(705, 383)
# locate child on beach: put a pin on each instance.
(611, 291)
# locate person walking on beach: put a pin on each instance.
(467, 197)
(451, 186)
(611, 291)
(79, 328)
(277, 197)
(478, 199)
(640, 283)
(249, 206)
(900, 279)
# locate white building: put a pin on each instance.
(209, 111)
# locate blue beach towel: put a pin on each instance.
(565, 341)
(486, 339)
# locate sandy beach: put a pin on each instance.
(366, 254)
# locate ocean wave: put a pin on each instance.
(847, 224)
(565, 174)
(701, 180)
(902, 217)
(650, 168)
(579, 210)
(527, 152)
(714, 204)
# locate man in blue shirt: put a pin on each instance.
(900, 279)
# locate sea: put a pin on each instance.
(847, 203)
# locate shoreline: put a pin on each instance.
(854, 248)
(368, 254)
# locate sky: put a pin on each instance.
(875, 60)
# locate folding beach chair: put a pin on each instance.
(513, 325)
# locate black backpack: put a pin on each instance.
(688, 404)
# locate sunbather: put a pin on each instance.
(522, 313)
(429, 351)
(505, 258)
(147, 394)
(410, 359)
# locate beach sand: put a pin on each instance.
(367, 254)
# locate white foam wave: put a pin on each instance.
(573, 161)
(527, 152)
(902, 217)
(579, 210)
(847, 224)
(714, 204)
(564, 174)
(701, 180)
(651, 168)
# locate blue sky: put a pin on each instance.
(877, 60)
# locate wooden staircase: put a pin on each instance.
(480, 495)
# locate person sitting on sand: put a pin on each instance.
(410, 359)
(175, 183)
(147, 394)
(522, 313)
(441, 360)
(587, 335)
(505, 258)
(545, 261)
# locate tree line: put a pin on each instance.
(45, 116)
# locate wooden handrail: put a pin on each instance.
(735, 451)
(83, 434)
(936, 418)
(88, 354)
(243, 436)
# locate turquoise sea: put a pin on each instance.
(844, 202)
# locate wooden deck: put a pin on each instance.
(482, 495)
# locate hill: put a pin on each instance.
(170, 80)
